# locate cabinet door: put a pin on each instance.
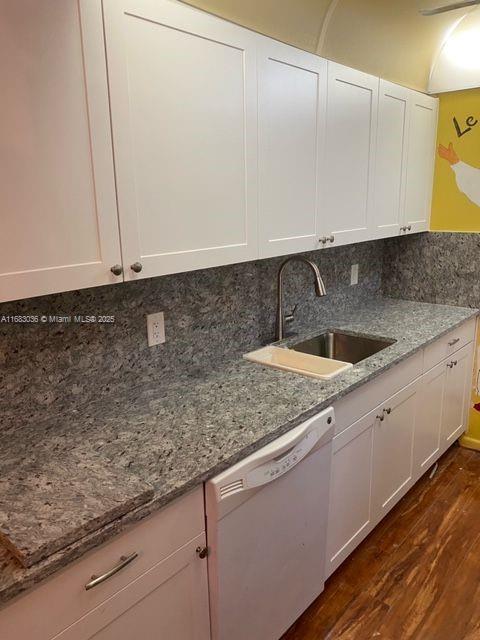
(426, 446)
(292, 99)
(59, 227)
(421, 159)
(349, 163)
(168, 601)
(350, 514)
(391, 159)
(457, 395)
(393, 444)
(184, 104)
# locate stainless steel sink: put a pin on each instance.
(346, 347)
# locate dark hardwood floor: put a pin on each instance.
(417, 575)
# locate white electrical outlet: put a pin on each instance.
(155, 329)
(354, 274)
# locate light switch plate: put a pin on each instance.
(156, 329)
(354, 274)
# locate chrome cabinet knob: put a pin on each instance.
(117, 270)
(388, 411)
(331, 238)
(381, 417)
(136, 267)
(408, 227)
(323, 240)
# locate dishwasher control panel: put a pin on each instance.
(274, 459)
(278, 466)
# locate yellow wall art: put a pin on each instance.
(456, 198)
(456, 192)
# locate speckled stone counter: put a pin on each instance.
(176, 436)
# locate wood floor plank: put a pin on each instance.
(399, 582)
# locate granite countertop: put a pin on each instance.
(174, 437)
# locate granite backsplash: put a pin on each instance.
(210, 315)
(437, 267)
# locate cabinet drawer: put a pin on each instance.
(168, 601)
(153, 539)
(448, 344)
(368, 396)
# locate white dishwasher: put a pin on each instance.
(266, 529)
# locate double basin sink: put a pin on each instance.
(324, 356)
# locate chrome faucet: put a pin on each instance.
(319, 290)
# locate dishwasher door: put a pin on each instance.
(266, 530)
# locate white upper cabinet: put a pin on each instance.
(391, 159)
(147, 137)
(292, 99)
(420, 163)
(59, 227)
(184, 113)
(406, 135)
(349, 155)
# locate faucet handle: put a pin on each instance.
(290, 317)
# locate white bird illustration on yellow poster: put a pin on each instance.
(467, 177)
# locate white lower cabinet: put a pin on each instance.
(429, 416)
(457, 383)
(371, 471)
(393, 447)
(350, 518)
(379, 457)
(161, 593)
(169, 601)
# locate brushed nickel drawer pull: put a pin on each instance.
(124, 561)
(454, 341)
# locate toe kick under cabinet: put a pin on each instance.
(390, 432)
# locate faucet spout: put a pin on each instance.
(319, 290)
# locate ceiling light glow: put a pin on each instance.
(463, 49)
